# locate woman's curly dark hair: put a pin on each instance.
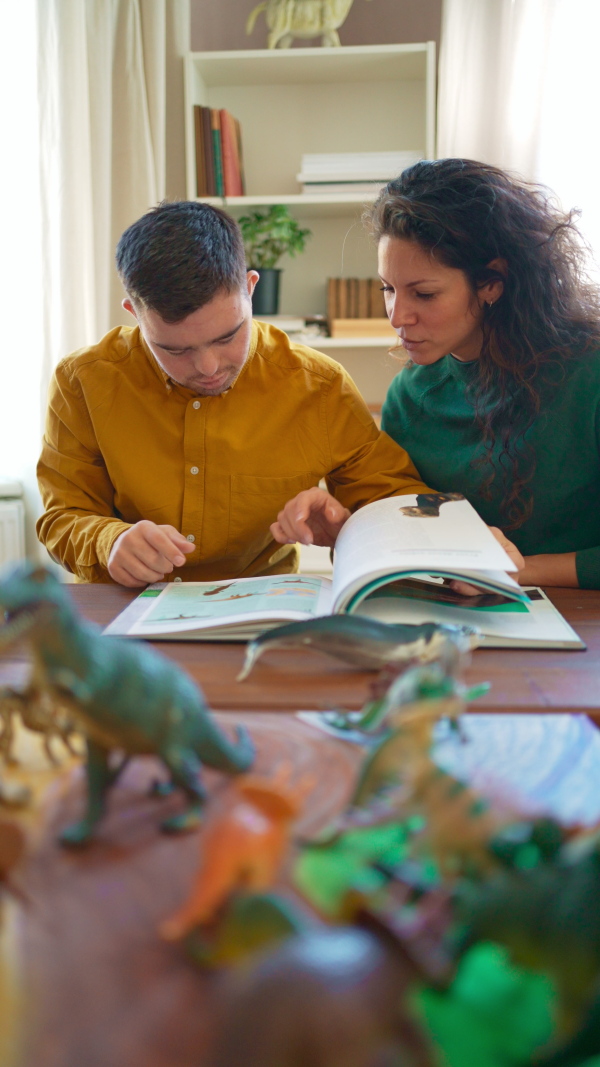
(467, 214)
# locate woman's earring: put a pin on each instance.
(490, 303)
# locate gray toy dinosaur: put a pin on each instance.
(123, 696)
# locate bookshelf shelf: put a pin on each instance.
(345, 205)
(294, 66)
(354, 342)
(314, 100)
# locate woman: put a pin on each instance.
(485, 285)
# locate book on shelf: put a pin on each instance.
(308, 330)
(355, 188)
(287, 323)
(354, 166)
(240, 157)
(376, 299)
(231, 168)
(215, 125)
(201, 176)
(363, 308)
(219, 164)
(363, 328)
(209, 153)
(354, 298)
(389, 559)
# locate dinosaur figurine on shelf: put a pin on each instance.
(287, 19)
(122, 695)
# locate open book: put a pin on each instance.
(391, 559)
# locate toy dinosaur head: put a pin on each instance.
(28, 593)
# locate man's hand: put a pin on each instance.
(314, 517)
(511, 550)
(145, 553)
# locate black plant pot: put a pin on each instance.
(265, 298)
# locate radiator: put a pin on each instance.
(12, 524)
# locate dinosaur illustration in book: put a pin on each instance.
(429, 504)
(122, 695)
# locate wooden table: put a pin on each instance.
(100, 987)
(296, 680)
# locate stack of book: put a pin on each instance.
(355, 308)
(361, 173)
(219, 160)
(305, 329)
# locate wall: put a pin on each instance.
(219, 25)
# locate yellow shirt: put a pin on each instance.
(124, 442)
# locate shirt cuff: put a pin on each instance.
(106, 539)
(587, 562)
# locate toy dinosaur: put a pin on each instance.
(246, 924)
(430, 692)
(364, 643)
(13, 795)
(548, 918)
(123, 696)
(12, 847)
(39, 712)
(287, 19)
(243, 846)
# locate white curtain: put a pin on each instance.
(518, 88)
(21, 291)
(109, 111)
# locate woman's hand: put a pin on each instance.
(314, 517)
(511, 550)
(552, 568)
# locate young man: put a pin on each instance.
(172, 445)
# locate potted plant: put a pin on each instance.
(268, 235)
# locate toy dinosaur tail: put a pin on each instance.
(252, 17)
(233, 757)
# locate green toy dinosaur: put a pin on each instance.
(123, 696)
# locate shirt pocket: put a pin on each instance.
(254, 504)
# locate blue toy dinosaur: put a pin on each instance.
(123, 695)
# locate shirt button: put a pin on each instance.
(177, 579)
(196, 404)
(193, 470)
(190, 537)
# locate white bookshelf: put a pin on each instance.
(354, 342)
(308, 206)
(293, 101)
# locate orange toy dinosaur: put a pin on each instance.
(243, 846)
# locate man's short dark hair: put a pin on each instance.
(178, 256)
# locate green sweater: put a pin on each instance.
(429, 412)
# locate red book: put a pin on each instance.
(231, 174)
(240, 155)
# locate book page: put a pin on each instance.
(543, 763)
(537, 624)
(426, 532)
(185, 606)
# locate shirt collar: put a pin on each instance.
(156, 367)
